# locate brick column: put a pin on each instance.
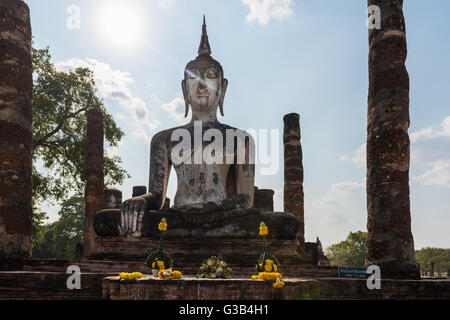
(94, 197)
(16, 87)
(389, 241)
(139, 191)
(293, 174)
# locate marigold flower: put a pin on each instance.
(162, 226)
(269, 266)
(278, 284)
(263, 229)
(160, 265)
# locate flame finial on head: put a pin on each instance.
(204, 48)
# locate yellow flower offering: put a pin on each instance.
(160, 265)
(269, 276)
(162, 226)
(130, 276)
(270, 266)
(263, 229)
(278, 284)
(169, 274)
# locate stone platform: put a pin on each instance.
(41, 285)
(189, 288)
(241, 254)
(195, 236)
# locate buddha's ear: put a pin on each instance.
(185, 95)
(223, 91)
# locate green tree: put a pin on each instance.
(60, 102)
(61, 237)
(439, 256)
(350, 252)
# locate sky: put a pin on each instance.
(279, 56)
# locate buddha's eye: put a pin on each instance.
(211, 74)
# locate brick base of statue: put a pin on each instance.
(194, 237)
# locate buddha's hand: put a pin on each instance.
(131, 215)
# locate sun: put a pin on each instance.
(120, 24)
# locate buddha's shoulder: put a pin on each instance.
(167, 133)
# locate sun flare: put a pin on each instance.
(120, 24)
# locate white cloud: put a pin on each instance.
(438, 176)
(357, 157)
(432, 133)
(115, 85)
(265, 10)
(339, 191)
(347, 187)
(176, 108)
(430, 149)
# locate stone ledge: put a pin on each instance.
(34, 285)
(190, 288)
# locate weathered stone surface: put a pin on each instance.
(293, 174)
(213, 174)
(94, 191)
(189, 288)
(45, 285)
(26, 285)
(139, 191)
(16, 85)
(232, 224)
(113, 199)
(389, 242)
(263, 199)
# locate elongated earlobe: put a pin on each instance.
(222, 96)
(185, 95)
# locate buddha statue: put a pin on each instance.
(215, 190)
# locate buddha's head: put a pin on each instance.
(204, 86)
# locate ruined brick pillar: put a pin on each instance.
(293, 174)
(16, 87)
(113, 199)
(389, 240)
(263, 199)
(139, 191)
(94, 197)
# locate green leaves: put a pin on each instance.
(60, 102)
(59, 239)
(439, 256)
(350, 252)
(214, 267)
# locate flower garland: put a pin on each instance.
(169, 274)
(130, 276)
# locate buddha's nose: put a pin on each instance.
(201, 84)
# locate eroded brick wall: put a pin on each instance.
(16, 86)
(389, 242)
(293, 174)
(94, 192)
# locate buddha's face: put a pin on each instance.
(204, 89)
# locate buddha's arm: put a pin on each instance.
(160, 166)
(245, 182)
(133, 210)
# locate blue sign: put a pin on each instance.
(352, 272)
